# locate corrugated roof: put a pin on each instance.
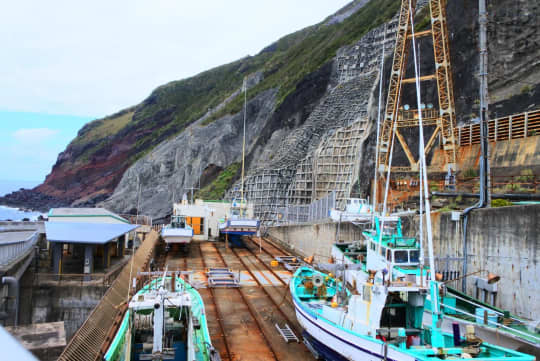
(89, 233)
(84, 212)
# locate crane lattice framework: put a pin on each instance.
(395, 116)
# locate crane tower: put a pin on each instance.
(396, 116)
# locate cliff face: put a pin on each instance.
(305, 91)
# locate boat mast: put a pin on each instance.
(437, 337)
(381, 73)
(244, 86)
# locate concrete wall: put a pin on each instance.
(507, 157)
(66, 302)
(314, 238)
(504, 241)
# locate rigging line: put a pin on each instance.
(387, 185)
(423, 167)
(381, 73)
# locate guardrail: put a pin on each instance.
(514, 126)
(12, 251)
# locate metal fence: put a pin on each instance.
(316, 211)
(12, 251)
(140, 219)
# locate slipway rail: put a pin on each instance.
(90, 342)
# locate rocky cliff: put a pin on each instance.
(310, 94)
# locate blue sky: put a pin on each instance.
(30, 142)
(94, 58)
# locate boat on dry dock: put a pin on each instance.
(165, 320)
(357, 210)
(238, 224)
(177, 232)
(499, 327)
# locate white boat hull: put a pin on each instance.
(177, 236)
(346, 343)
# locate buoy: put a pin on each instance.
(334, 304)
(274, 263)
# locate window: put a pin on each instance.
(414, 256)
(401, 256)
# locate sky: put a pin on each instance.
(87, 59)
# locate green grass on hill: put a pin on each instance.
(303, 52)
(173, 106)
(217, 189)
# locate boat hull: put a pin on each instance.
(177, 236)
(343, 343)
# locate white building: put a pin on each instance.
(204, 216)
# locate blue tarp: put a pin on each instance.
(88, 233)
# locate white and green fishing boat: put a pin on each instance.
(384, 322)
(165, 320)
(401, 254)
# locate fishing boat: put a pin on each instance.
(500, 327)
(177, 232)
(357, 210)
(382, 318)
(237, 224)
(165, 320)
(383, 322)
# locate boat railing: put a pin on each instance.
(489, 322)
(12, 251)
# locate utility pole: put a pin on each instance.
(484, 102)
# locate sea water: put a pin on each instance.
(15, 214)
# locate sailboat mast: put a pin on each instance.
(244, 86)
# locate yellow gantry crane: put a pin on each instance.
(396, 116)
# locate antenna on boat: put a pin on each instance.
(381, 73)
(437, 337)
(244, 88)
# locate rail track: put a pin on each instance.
(243, 255)
(241, 320)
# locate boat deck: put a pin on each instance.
(242, 321)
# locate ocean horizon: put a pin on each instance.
(15, 214)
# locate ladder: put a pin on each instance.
(287, 333)
(221, 277)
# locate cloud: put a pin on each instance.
(34, 135)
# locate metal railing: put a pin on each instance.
(514, 126)
(12, 251)
(138, 219)
(316, 211)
